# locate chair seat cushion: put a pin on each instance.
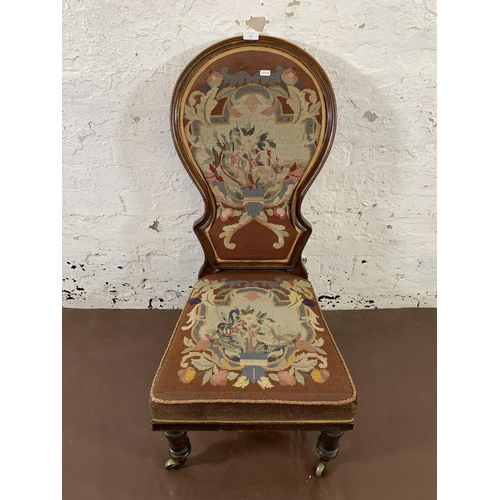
(252, 346)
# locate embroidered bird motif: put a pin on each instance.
(224, 330)
(226, 327)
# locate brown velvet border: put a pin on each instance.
(216, 412)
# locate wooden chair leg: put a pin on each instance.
(328, 448)
(179, 448)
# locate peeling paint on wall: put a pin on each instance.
(371, 117)
(154, 226)
(257, 23)
(129, 206)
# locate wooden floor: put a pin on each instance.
(109, 451)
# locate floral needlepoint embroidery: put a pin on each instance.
(187, 374)
(254, 150)
(286, 378)
(244, 333)
(214, 78)
(219, 378)
(320, 375)
(289, 76)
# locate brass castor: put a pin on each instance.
(172, 464)
(179, 448)
(320, 468)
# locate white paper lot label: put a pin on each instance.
(250, 35)
(265, 72)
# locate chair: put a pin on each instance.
(253, 123)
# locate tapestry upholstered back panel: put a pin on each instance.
(253, 124)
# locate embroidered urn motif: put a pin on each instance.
(253, 332)
(250, 184)
(253, 138)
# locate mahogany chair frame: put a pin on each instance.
(330, 434)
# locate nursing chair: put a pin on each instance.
(253, 123)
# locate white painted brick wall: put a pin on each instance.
(129, 206)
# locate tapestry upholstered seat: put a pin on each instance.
(253, 123)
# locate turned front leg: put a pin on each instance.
(328, 448)
(179, 448)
